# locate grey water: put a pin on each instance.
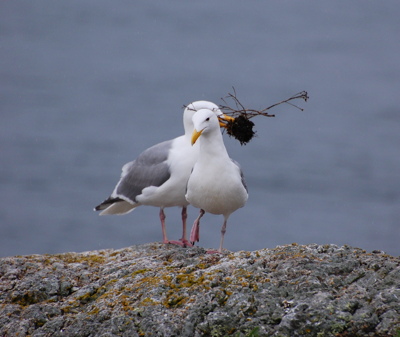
(85, 86)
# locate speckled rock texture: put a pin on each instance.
(164, 290)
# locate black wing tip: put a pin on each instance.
(99, 207)
(106, 203)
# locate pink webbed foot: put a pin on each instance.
(212, 251)
(186, 243)
(182, 243)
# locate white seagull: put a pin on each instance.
(216, 184)
(158, 177)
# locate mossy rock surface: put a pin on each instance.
(164, 290)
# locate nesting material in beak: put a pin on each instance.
(224, 120)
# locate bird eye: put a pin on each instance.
(207, 119)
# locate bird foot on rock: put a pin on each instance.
(182, 243)
(186, 243)
(213, 252)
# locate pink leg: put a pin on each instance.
(183, 241)
(164, 232)
(184, 217)
(223, 231)
(195, 232)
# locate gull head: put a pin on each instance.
(193, 107)
(205, 121)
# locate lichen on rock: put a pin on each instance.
(164, 290)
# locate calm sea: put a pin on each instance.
(85, 86)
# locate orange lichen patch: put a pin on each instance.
(138, 272)
(300, 254)
(89, 259)
(188, 280)
(244, 278)
(170, 287)
(147, 301)
(126, 302)
(174, 299)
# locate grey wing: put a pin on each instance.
(149, 169)
(241, 174)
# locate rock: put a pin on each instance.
(164, 290)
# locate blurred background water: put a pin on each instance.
(87, 85)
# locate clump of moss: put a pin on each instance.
(241, 128)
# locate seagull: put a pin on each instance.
(216, 184)
(158, 176)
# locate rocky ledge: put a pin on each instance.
(164, 290)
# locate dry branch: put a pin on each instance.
(241, 127)
(250, 113)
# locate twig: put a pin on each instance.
(250, 113)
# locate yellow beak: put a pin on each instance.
(195, 135)
(224, 120)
